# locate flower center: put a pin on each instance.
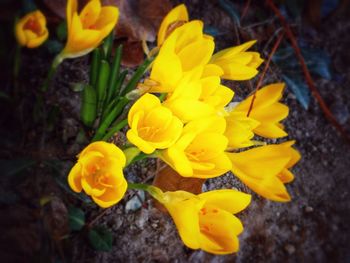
(32, 25)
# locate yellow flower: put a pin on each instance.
(183, 51)
(213, 93)
(87, 29)
(206, 221)
(152, 126)
(99, 171)
(239, 130)
(185, 101)
(31, 30)
(265, 169)
(237, 63)
(267, 111)
(176, 17)
(200, 151)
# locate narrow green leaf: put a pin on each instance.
(114, 72)
(137, 76)
(101, 238)
(88, 106)
(115, 129)
(119, 83)
(107, 45)
(96, 57)
(102, 83)
(76, 218)
(100, 133)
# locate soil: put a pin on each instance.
(313, 227)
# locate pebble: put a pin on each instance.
(309, 209)
(134, 203)
(294, 228)
(290, 249)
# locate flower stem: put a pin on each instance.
(155, 192)
(55, 63)
(136, 186)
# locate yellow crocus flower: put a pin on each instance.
(176, 17)
(31, 30)
(265, 169)
(87, 29)
(200, 151)
(185, 101)
(237, 63)
(206, 221)
(267, 111)
(213, 92)
(182, 52)
(239, 130)
(152, 126)
(99, 172)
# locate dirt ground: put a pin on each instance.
(313, 227)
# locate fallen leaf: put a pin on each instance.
(168, 179)
(132, 54)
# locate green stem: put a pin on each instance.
(55, 63)
(155, 192)
(136, 186)
(115, 129)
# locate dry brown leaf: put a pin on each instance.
(132, 54)
(168, 179)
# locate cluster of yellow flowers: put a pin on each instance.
(185, 117)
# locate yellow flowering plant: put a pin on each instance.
(31, 30)
(182, 114)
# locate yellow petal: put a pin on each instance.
(143, 145)
(177, 14)
(145, 104)
(177, 159)
(90, 13)
(111, 196)
(229, 200)
(221, 228)
(185, 215)
(107, 20)
(74, 178)
(233, 51)
(106, 149)
(196, 53)
(72, 7)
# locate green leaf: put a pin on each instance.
(76, 218)
(107, 45)
(61, 31)
(102, 83)
(53, 46)
(95, 63)
(88, 106)
(77, 86)
(112, 85)
(137, 76)
(101, 238)
(100, 133)
(298, 87)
